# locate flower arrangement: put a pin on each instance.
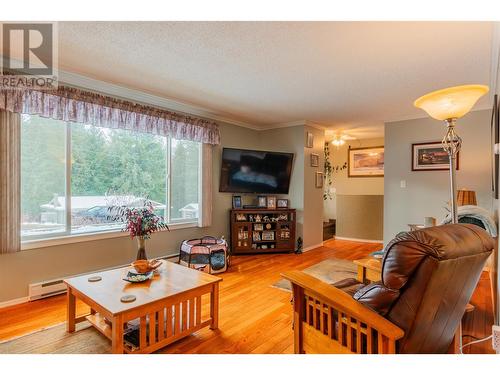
(140, 222)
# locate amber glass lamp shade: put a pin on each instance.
(466, 197)
(452, 102)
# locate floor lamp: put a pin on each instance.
(448, 105)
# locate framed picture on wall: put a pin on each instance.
(365, 162)
(430, 156)
(309, 140)
(319, 179)
(314, 160)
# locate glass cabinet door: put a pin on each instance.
(242, 234)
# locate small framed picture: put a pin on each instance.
(314, 160)
(319, 179)
(271, 202)
(309, 140)
(282, 203)
(262, 201)
(430, 156)
(237, 201)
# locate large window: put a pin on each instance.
(71, 173)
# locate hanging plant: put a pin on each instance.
(328, 172)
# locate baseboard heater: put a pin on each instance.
(51, 288)
(46, 289)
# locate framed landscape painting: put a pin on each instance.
(430, 156)
(366, 162)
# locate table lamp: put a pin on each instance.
(448, 105)
(466, 197)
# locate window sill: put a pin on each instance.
(64, 240)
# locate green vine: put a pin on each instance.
(328, 172)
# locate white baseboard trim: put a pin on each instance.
(312, 247)
(357, 239)
(13, 302)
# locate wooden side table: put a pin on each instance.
(369, 269)
(414, 227)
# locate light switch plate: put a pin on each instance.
(402, 183)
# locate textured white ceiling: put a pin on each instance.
(343, 75)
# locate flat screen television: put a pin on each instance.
(250, 171)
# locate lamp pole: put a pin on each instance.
(451, 144)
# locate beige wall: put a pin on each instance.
(427, 192)
(303, 195)
(360, 217)
(289, 140)
(344, 185)
(29, 266)
(357, 203)
(313, 196)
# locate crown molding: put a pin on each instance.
(122, 92)
(291, 124)
(316, 125)
(283, 125)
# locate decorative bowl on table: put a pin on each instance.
(135, 277)
(145, 266)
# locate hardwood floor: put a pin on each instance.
(254, 317)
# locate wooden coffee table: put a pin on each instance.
(167, 307)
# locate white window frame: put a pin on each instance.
(66, 236)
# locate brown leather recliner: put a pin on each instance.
(428, 277)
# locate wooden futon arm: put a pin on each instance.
(308, 286)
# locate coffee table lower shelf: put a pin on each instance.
(105, 327)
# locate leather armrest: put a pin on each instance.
(342, 301)
(377, 297)
(350, 286)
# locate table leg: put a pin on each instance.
(117, 335)
(71, 311)
(214, 306)
(361, 274)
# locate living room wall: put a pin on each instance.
(28, 266)
(357, 204)
(303, 195)
(20, 269)
(427, 192)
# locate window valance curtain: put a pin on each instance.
(75, 105)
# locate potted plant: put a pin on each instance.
(140, 222)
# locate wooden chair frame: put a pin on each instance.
(328, 320)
